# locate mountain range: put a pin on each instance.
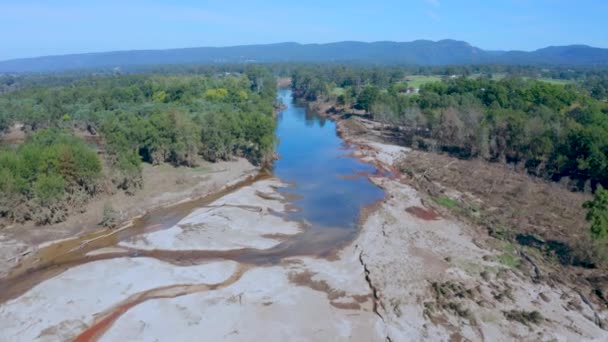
(419, 52)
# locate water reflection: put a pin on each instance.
(312, 157)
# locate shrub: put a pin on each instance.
(110, 216)
(524, 317)
(597, 214)
(47, 177)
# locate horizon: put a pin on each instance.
(69, 27)
(290, 42)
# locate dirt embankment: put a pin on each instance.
(464, 249)
(437, 273)
(164, 185)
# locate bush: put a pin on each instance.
(47, 177)
(524, 317)
(597, 214)
(110, 216)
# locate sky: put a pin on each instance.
(35, 28)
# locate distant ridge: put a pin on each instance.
(419, 52)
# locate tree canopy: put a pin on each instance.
(551, 130)
(124, 120)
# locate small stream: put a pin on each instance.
(328, 187)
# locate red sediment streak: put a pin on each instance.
(425, 214)
(95, 331)
(108, 318)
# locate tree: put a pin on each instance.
(597, 214)
(368, 96)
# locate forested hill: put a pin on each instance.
(419, 52)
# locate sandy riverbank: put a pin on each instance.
(164, 185)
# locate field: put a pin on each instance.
(417, 81)
(554, 81)
(337, 91)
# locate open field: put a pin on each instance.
(554, 81)
(417, 81)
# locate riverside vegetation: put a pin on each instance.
(89, 135)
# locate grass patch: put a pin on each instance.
(509, 260)
(549, 80)
(337, 91)
(471, 268)
(446, 202)
(495, 77)
(204, 167)
(509, 248)
(498, 76)
(555, 81)
(509, 256)
(417, 81)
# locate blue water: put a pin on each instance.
(315, 160)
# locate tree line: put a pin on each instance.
(553, 131)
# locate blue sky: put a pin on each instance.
(34, 28)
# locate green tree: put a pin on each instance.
(367, 97)
(597, 214)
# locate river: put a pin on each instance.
(327, 189)
(330, 183)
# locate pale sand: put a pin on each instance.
(241, 219)
(69, 302)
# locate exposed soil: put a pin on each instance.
(15, 135)
(284, 82)
(422, 213)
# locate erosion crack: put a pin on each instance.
(375, 292)
(596, 318)
(371, 286)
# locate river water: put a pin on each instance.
(331, 185)
(328, 187)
